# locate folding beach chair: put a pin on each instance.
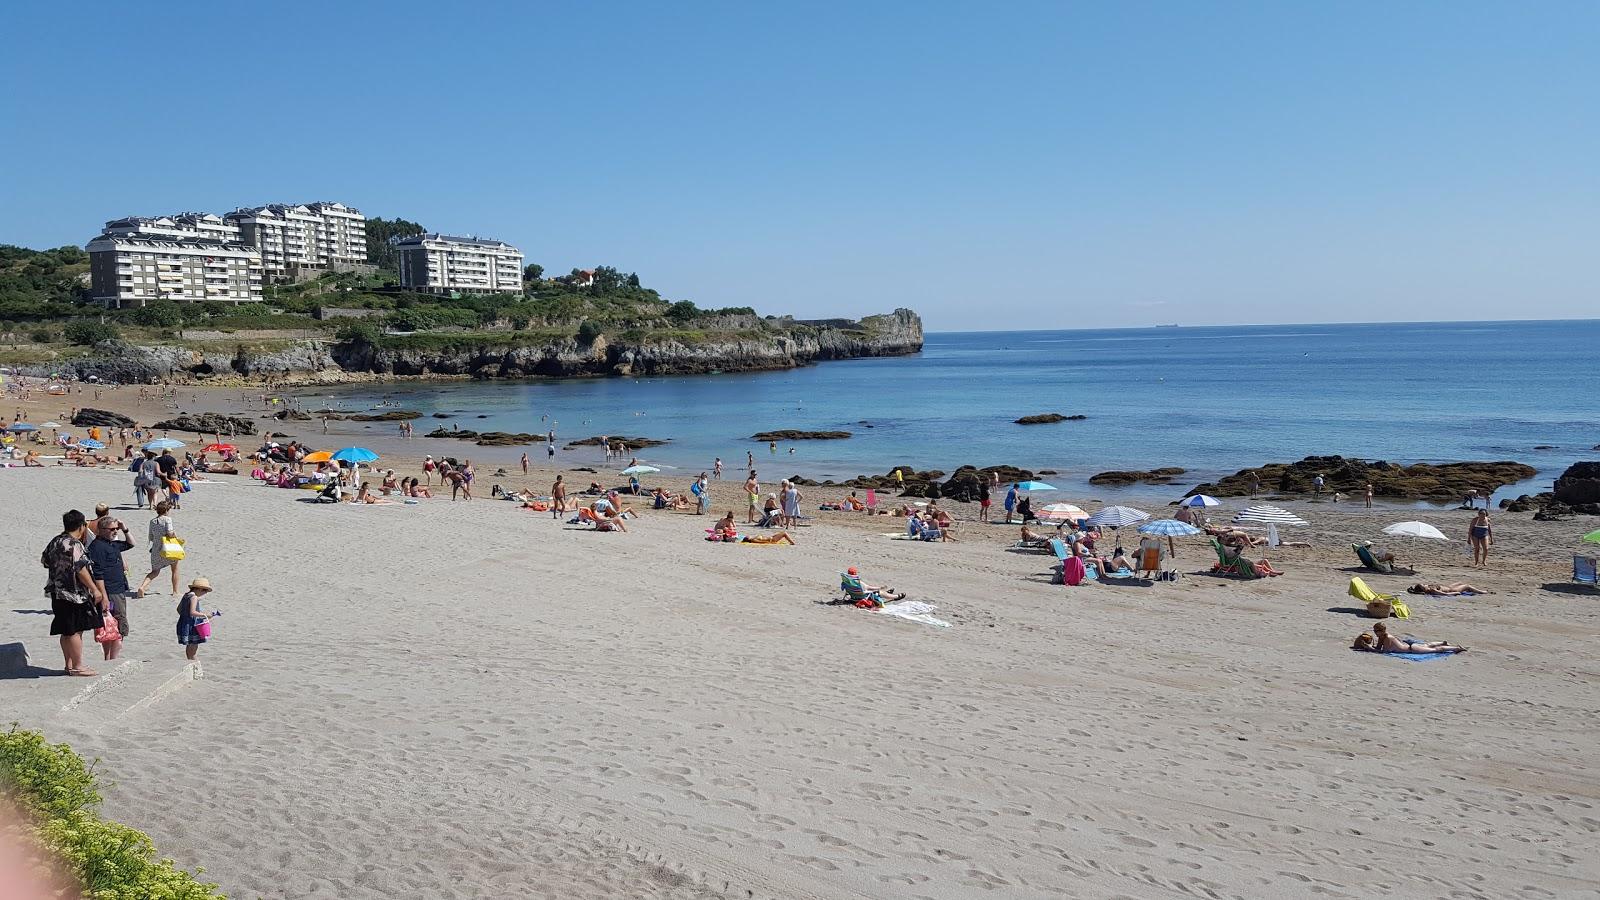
(1232, 564)
(1586, 570)
(1379, 606)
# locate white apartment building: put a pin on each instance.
(324, 236)
(439, 264)
(134, 267)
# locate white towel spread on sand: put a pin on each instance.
(915, 610)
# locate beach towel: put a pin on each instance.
(1420, 657)
(915, 611)
(1073, 571)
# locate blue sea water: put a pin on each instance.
(1209, 399)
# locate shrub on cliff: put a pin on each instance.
(84, 331)
(587, 332)
(61, 796)
(358, 332)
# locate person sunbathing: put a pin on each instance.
(1031, 538)
(1454, 589)
(1233, 537)
(781, 537)
(31, 460)
(1381, 641)
(417, 490)
(389, 484)
(724, 530)
(606, 516)
(871, 591)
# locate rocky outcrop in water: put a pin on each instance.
(1449, 481)
(634, 443)
(770, 436)
(1122, 479)
(964, 484)
(393, 415)
(1579, 485)
(1048, 418)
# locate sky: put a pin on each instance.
(993, 166)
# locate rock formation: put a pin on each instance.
(208, 423)
(799, 435)
(1447, 482)
(103, 418)
(1154, 476)
(634, 443)
(1047, 418)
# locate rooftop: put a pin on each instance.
(435, 236)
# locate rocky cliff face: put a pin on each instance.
(769, 347)
(747, 343)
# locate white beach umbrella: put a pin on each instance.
(1416, 529)
(1061, 512)
(1270, 516)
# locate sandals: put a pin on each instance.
(81, 673)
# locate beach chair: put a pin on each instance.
(855, 593)
(1379, 606)
(1586, 570)
(1232, 563)
(1370, 562)
(1059, 548)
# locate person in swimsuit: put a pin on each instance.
(752, 489)
(1381, 641)
(1454, 589)
(1480, 535)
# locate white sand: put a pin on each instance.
(469, 700)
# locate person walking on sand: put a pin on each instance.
(1011, 502)
(1480, 535)
(984, 500)
(1369, 495)
(716, 469)
(558, 498)
(190, 617)
(752, 491)
(110, 576)
(428, 466)
(1255, 483)
(524, 464)
(160, 529)
(702, 495)
(76, 603)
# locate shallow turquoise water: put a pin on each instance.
(1212, 400)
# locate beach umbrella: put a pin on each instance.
(219, 448)
(1268, 515)
(23, 426)
(355, 456)
(1117, 516)
(92, 444)
(1416, 529)
(1062, 512)
(50, 425)
(164, 444)
(1034, 486)
(1200, 500)
(640, 470)
(1169, 528)
(1592, 537)
(319, 456)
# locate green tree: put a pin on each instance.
(358, 332)
(683, 311)
(380, 252)
(160, 314)
(633, 279)
(606, 280)
(532, 272)
(587, 332)
(252, 310)
(89, 332)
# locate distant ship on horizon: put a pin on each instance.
(1173, 325)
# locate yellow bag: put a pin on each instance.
(172, 548)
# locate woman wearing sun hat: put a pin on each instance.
(191, 617)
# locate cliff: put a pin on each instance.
(740, 344)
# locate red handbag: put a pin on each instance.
(107, 633)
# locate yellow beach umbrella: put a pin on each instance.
(319, 456)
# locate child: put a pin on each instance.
(190, 617)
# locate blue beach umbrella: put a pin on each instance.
(1199, 500)
(1117, 516)
(92, 444)
(355, 456)
(1169, 528)
(160, 444)
(23, 426)
(1034, 486)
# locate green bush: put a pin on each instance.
(87, 332)
(111, 861)
(41, 335)
(587, 332)
(160, 314)
(359, 332)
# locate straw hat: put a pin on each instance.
(200, 584)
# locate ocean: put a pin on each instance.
(1211, 400)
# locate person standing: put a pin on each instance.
(752, 491)
(428, 465)
(558, 498)
(76, 603)
(1011, 502)
(749, 459)
(110, 576)
(1480, 535)
(791, 504)
(1369, 495)
(1316, 483)
(146, 479)
(702, 495)
(161, 528)
(716, 469)
(899, 479)
(524, 464)
(1255, 483)
(550, 450)
(190, 615)
(985, 500)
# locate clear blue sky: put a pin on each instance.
(992, 165)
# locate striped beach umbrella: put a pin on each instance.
(1169, 528)
(1117, 516)
(1268, 515)
(1062, 512)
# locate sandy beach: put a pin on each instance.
(474, 700)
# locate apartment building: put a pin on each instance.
(440, 264)
(299, 238)
(135, 265)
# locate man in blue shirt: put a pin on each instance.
(105, 560)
